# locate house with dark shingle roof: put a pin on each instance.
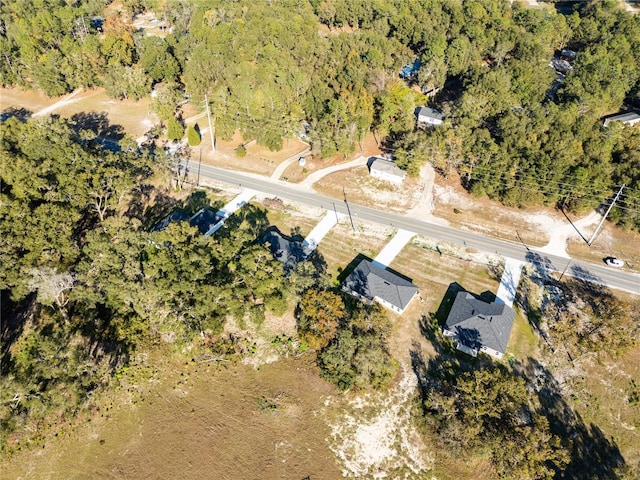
(475, 325)
(207, 221)
(286, 250)
(370, 283)
(175, 216)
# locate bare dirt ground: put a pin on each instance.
(258, 159)
(135, 117)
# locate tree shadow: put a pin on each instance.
(542, 265)
(592, 454)
(352, 266)
(140, 197)
(105, 337)
(99, 124)
(14, 316)
(591, 283)
(167, 209)
(287, 249)
(253, 216)
(18, 113)
(447, 301)
(318, 261)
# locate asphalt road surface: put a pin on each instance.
(600, 274)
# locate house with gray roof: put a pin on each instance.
(476, 325)
(429, 116)
(386, 170)
(627, 118)
(285, 249)
(207, 221)
(175, 216)
(370, 283)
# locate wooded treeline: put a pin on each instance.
(86, 281)
(268, 65)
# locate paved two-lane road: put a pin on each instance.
(599, 274)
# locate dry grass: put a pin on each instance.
(363, 189)
(32, 100)
(194, 421)
(342, 244)
(523, 342)
(258, 159)
(600, 391)
(134, 116)
(291, 219)
(611, 241)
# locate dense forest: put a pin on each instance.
(515, 131)
(88, 284)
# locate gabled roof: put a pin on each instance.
(176, 216)
(205, 220)
(623, 117)
(284, 249)
(430, 112)
(477, 323)
(382, 165)
(369, 281)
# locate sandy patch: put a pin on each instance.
(376, 439)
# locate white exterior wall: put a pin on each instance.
(387, 177)
(388, 305)
(429, 120)
(471, 351)
(492, 352)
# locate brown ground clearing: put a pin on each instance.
(135, 117)
(363, 189)
(31, 100)
(258, 160)
(296, 173)
(197, 422)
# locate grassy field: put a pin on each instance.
(195, 420)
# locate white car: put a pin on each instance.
(614, 262)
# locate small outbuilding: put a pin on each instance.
(429, 116)
(476, 325)
(371, 283)
(627, 118)
(386, 170)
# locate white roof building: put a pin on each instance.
(429, 116)
(387, 171)
(628, 118)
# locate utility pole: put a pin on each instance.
(348, 209)
(605, 216)
(565, 269)
(213, 143)
(199, 165)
